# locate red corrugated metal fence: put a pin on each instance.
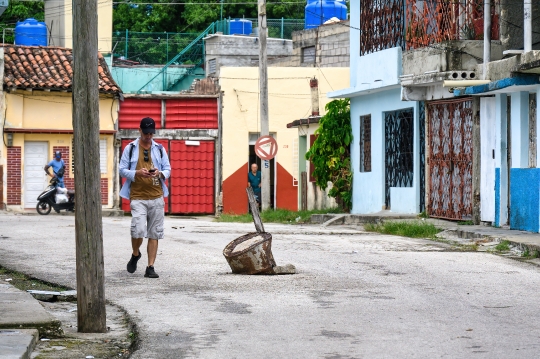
(192, 182)
(192, 113)
(133, 110)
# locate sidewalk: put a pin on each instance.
(520, 239)
(22, 321)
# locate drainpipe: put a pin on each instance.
(314, 85)
(527, 25)
(487, 36)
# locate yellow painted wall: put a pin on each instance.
(51, 110)
(58, 16)
(289, 99)
(46, 110)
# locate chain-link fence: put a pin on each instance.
(150, 47)
(158, 48)
(277, 28)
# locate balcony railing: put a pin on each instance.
(411, 24)
(434, 21)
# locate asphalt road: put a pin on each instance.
(356, 295)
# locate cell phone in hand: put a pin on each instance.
(152, 170)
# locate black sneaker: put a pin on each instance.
(132, 264)
(150, 272)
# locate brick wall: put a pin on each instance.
(14, 174)
(70, 181)
(105, 191)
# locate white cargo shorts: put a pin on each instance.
(147, 217)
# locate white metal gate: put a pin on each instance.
(35, 179)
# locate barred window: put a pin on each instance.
(365, 143)
(382, 24)
(308, 54)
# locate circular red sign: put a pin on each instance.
(266, 147)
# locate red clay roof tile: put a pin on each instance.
(49, 68)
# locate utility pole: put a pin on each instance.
(263, 94)
(91, 317)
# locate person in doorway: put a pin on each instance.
(145, 165)
(254, 181)
(58, 167)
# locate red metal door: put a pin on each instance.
(450, 158)
(125, 202)
(192, 181)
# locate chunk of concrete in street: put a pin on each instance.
(17, 343)
(286, 269)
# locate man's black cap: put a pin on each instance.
(148, 125)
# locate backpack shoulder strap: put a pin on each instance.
(160, 149)
(131, 147)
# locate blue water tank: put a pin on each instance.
(320, 11)
(240, 27)
(31, 32)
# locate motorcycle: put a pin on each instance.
(47, 200)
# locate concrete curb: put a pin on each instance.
(19, 310)
(17, 343)
(354, 219)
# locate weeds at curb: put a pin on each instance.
(504, 246)
(413, 229)
(466, 223)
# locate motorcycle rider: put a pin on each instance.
(58, 167)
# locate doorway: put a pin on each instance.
(35, 179)
(252, 158)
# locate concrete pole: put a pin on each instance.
(263, 94)
(527, 25)
(487, 36)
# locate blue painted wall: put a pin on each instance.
(368, 187)
(131, 79)
(525, 199)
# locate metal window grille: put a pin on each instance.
(434, 21)
(212, 66)
(365, 143)
(308, 54)
(399, 138)
(382, 24)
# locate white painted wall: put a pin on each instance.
(488, 145)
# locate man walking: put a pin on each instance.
(145, 165)
(58, 167)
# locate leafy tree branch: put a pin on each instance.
(330, 152)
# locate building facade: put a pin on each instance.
(37, 117)
(289, 99)
(188, 126)
(387, 132)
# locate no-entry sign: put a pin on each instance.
(266, 147)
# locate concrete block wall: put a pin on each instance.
(241, 51)
(332, 44)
